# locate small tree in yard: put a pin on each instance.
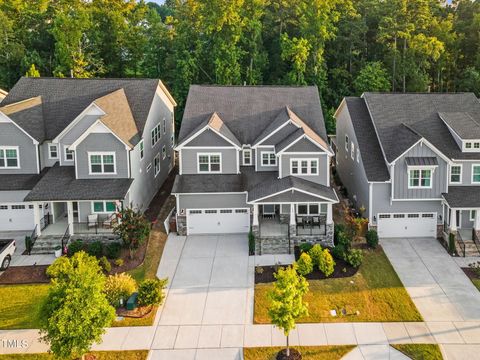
(133, 228)
(76, 311)
(150, 292)
(286, 301)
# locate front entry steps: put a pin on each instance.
(46, 244)
(470, 248)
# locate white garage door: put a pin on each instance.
(407, 225)
(15, 217)
(218, 221)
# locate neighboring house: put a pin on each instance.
(413, 161)
(70, 148)
(255, 158)
(3, 94)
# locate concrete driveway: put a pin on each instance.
(210, 297)
(435, 282)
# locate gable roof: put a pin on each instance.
(249, 110)
(63, 99)
(372, 157)
(401, 120)
(462, 123)
(26, 114)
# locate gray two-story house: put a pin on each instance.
(412, 161)
(255, 157)
(73, 148)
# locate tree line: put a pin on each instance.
(345, 47)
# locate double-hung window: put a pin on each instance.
(172, 140)
(142, 149)
(9, 158)
(155, 135)
(304, 166)
(104, 207)
(164, 152)
(358, 155)
(346, 143)
(69, 155)
(102, 163)
(247, 157)
(52, 151)
(456, 174)
(420, 178)
(352, 153)
(311, 209)
(209, 163)
(164, 125)
(269, 158)
(156, 165)
(473, 214)
(476, 173)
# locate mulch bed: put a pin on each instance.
(16, 275)
(294, 355)
(138, 313)
(471, 273)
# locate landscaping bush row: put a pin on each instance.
(95, 248)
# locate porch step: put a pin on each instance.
(46, 245)
(470, 248)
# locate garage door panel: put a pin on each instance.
(218, 221)
(398, 225)
(16, 217)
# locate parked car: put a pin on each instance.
(7, 248)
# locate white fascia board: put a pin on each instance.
(5, 119)
(91, 130)
(428, 144)
(305, 136)
(199, 132)
(289, 121)
(92, 109)
(340, 107)
(299, 190)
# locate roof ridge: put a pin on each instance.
(22, 101)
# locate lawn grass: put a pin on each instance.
(99, 355)
(420, 351)
(145, 321)
(20, 306)
(308, 352)
(375, 291)
(476, 282)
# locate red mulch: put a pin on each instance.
(16, 275)
(138, 313)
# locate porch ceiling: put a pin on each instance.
(463, 197)
(292, 196)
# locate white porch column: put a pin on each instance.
(453, 219)
(329, 214)
(292, 215)
(477, 220)
(70, 216)
(36, 218)
(255, 215)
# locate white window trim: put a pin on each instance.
(420, 168)
(243, 157)
(65, 149)
(309, 166)
(164, 126)
(4, 148)
(358, 155)
(140, 144)
(157, 139)
(102, 153)
(155, 171)
(149, 167)
(308, 209)
(347, 139)
(473, 166)
(164, 152)
(269, 153)
(450, 174)
(50, 152)
(352, 152)
(104, 207)
(472, 212)
(209, 164)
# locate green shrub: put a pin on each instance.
(344, 239)
(112, 250)
(150, 292)
(304, 264)
(119, 286)
(315, 253)
(372, 238)
(338, 228)
(28, 244)
(339, 252)
(327, 264)
(105, 264)
(451, 243)
(355, 257)
(74, 247)
(118, 262)
(305, 247)
(95, 249)
(251, 243)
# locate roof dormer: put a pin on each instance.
(464, 129)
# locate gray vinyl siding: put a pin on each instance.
(100, 143)
(304, 145)
(208, 138)
(466, 223)
(13, 196)
(258, 159)
(78, 129)
(45, 160)
(190, 159)
(11, 135)
(321, 178)
(212, 201)
(280, 135)
(466, 172)
(381, 203)
(145, 184)
(455, 137)
(351, 172)
(439, 177)
(252, 162)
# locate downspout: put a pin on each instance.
(392, 176)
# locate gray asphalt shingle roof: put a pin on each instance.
(64, 99)
(17, 182)
(462, 123)
(463, 196)
(372, 157)
(59, 184)
(403, 119)
(249, 110)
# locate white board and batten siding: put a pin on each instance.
(402, 225)
(218, 221)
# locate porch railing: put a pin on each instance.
(308, 225)
(33, 238)
(46, 220)
(461, 243)
(92, 228)
(65, 240)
